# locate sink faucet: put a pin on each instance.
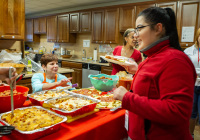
(84, 52)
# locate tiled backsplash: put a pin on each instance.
(77, 47)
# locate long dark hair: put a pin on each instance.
(166, 17)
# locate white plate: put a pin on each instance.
(127, 61)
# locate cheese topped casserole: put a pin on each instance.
(48, 94)
(31, 119)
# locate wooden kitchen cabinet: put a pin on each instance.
(171, 5)
(127, 18)
(58, 29)
(140, 8)
(77, 74)
(106, 70)
(40, 25)
(52, 29)
(188, 16)
(12, 19)
(29, 36)
(74, 22)
(26, 82)
(105, 26)
(85, 22)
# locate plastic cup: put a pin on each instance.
(125, 82)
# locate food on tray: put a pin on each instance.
(48, 94)
(70, 103)
(7, 93)
(88, 92)
(31, 119)
(102, 78)
(107, 100)
(115, 58)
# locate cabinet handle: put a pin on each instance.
(13, 36)
(62, 40)
(96, 41)
(2, 36)
(110, 41)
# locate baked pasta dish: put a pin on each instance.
(31, 119)
(7, 93)
(70, 103)
(48, 94)
(102, 78)
(107, 100)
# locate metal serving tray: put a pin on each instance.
(75, 112)
(39, 102)
(35, 134)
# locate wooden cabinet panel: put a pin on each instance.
(106, 70)
(74, 22)
(40, 25)
(12, 19)
(111, 31)
(85, 21)
(27, 83)
(71, 64)
(63, 28)
(29, 36)
(171, 5)
(140, 8)
(52, 29)
(188, 16)
(127, 18)
(97, 26)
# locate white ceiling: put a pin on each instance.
(35, 8)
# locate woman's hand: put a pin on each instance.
(64, 82)
(119, 93)
(131, 69)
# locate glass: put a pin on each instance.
(125, 82)
(137, 29)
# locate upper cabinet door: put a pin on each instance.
(63, 28)
(85, 22)
(52, 29)
(111, 30)
(74, 22)
(97, 26)
(12, 19)
(140, 8)
(29, 36)
(40, 25)
(187, 16)
(171, 5)
(127, 18)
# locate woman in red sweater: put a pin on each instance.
(127, 50)
(160, 101)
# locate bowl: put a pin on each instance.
(19, 99)
(104, 84)
(19, 67)
(66, 56)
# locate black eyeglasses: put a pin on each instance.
(137, 29)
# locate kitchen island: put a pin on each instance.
(26, 81)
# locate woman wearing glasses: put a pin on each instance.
(160, 102)
(193, 53)
(127, 50)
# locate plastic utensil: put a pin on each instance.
(11, 69)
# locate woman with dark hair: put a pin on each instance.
(193, 53)
(159, 104)
(50, 79)
(127, 50)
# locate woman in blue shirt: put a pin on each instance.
(50, 79)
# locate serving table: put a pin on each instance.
(102, 125)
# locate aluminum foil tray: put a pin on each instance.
(39, 102)
(75, 112)
(35, 134)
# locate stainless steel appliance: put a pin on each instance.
(88, 69)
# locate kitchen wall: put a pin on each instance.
(77, 47)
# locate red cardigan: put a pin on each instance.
(163, 94)
(117, 51)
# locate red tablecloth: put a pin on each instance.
(103, 125)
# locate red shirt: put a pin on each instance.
(117, 51)
(163, 94)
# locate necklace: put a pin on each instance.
(124, 50)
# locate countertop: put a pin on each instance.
(83, 61)
(60, 70)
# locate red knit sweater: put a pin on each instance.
(163, 94)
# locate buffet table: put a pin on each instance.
(102, 125)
